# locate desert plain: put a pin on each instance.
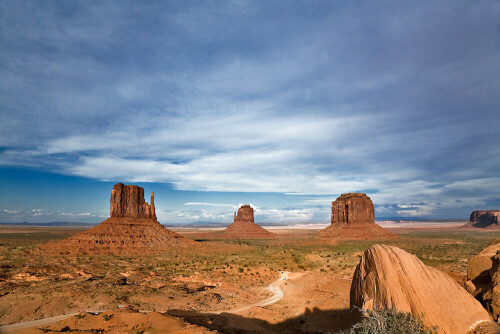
(293, 283)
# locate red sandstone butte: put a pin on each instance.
(353, 218)
(486, 219)
(132, 227)
(244, 226)
(128, 201)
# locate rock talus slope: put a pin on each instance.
(483, 278)
(244, 226)
(389, 277)
(353, 217)
(132, 227)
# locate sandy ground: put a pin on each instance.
(292, 284)
(311, 303)
(41, 325)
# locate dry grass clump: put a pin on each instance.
(390, 321)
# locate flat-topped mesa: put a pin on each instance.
(245, 213)
(353, 218)
(476, 216)
(487, 219)
(128, 201)
(353, 208)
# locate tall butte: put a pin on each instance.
(131, 227)
(244, 226)
(353, 218)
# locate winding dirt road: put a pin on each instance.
(274, 288)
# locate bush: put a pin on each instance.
(390, 321)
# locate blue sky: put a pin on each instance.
(284, 105)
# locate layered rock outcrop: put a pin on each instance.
(483, 278)
(353, 217)
(354, 208)
(132, 227)
(487, 219)
(244, 226)
(128, 201)
(389, 277)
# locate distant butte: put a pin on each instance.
(244, 226)
(353, 218)
(132, 227)
(486, 219)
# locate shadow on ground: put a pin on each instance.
(311, 321)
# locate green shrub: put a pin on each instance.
(390, 321)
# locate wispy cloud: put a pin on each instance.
(397, 100)
(43, 216)
(211, 204)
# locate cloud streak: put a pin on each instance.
(397, 100)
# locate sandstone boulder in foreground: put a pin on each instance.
(389, 277)
(483, 278)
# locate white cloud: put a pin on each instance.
(227, 99)
(211, 204)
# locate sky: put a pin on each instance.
(283, 105)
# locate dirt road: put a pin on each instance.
(17, 328)
(274, 288)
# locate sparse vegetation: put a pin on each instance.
(390, 321)
(53, 283)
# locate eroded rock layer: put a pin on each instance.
(353, 208)
(132, 227)
(353, 217)
(389, 277)
(244, 226)
(487, 219)
(128, 201)
(483, 278)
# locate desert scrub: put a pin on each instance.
(390, 321)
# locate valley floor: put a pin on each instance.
(222, 286)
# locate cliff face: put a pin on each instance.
(483, 278)
(489, 219)
(388, 277)
(353, 208)
(353, 218)
(245, 213)
(128, 201)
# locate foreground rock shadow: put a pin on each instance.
(311, 321)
